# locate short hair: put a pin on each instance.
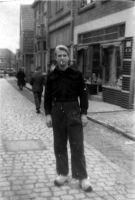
(61, 47)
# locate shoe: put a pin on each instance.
(85, 185)
(38, 111)
(60, 180)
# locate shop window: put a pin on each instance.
(112, 65)
(96, 59)
(108, 33)
(96, 66)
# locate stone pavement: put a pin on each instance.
(113, 117)
(27, 163)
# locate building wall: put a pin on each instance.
(26, 37)
(28, 41)
(27, 29)
(40, 25)
(125, 16)
(7, 58)
(59, 25)
(55, 14)
(95, 18)
(100, 9)
(60, 36)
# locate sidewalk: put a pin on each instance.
(115, 118)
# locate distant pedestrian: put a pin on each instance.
(53, 65)
(74, 64)
(37, 82)
(21, 78)
(67, 117)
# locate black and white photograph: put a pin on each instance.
(67, 102)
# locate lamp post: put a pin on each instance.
(47, 38)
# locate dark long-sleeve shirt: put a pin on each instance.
(65, 86)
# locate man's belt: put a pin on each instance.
(65, 99)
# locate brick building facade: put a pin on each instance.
(7, 59)
(27, 38)
(40, 34)
(104, 42)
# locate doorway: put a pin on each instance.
(112, 65)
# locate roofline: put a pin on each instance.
(34, 4)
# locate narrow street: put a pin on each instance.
(27, 163)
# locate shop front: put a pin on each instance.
(105, 58)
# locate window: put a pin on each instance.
(44, 46)
(86, 2)
(36, 21)
(39, 46)
(49, 9)
(89, 1)
(58, 5)
(36, 14)
(45, 7)
(44, 13)
(108, 33)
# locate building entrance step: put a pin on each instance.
(96, 97)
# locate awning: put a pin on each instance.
(116, 44)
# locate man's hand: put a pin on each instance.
(49, 121)
(84, 120)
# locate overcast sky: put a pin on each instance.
(9, 23)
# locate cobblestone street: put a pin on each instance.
(27, 162)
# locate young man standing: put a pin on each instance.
(67, 117)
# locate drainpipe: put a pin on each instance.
(47, 39)
(131, 94)
(72, 31)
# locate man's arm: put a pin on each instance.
(48, 102)
(83, 95)
(48, 97)
(83, 100)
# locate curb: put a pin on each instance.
(113, 128)
(109, 126)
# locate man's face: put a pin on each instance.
(62, 58)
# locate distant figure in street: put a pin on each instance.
(67, 117)
(37, 82)
(74, 64)
(21, 78)
(53, 65)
